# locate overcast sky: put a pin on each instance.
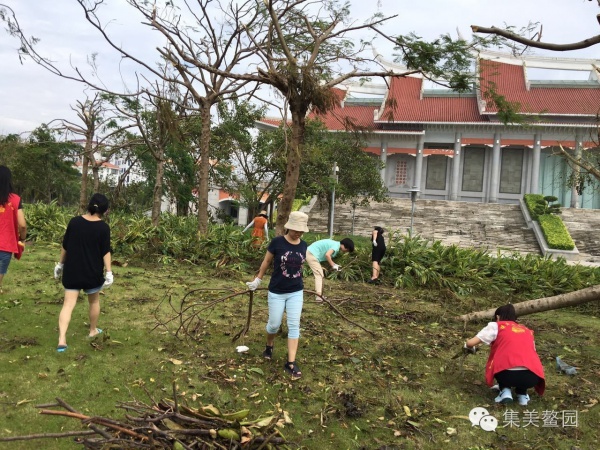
(30, 96)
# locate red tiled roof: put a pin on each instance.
(509, 81)
(271, 121)
(405, 105)
(347, 117)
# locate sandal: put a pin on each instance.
(268, 353)
(292, 368)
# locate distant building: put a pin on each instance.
(454, 146)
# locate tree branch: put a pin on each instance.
(535, 43)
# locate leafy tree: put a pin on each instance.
(42, 167)
(547, 205)
(246, 163)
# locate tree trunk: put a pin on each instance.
(96, 177)
(158, 187)
(83, 200)
(292, 173)
(541, 304)
(203, 169)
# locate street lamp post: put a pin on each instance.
(336, 170)
(413, 199)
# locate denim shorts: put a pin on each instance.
(87, 291)
(4, 262)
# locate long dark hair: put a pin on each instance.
(5, 184)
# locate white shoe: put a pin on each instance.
(505, 396)
(523, 399)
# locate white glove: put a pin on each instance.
(108, 279)
(374, 243)
(467, 350)
(253, 285)
(58, 270)
(336, 267)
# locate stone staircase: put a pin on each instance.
(481, 225)
(584, 227)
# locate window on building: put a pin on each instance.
(401, 173)
(436, 172)
(473, 165)
(511, 170)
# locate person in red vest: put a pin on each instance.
(13, 228)
(260, 229)
(513, 360)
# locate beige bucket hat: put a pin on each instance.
(298, 221)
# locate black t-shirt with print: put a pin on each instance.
(86, 243)
(287, 265)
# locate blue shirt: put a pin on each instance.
(287, 265)
(319, 248)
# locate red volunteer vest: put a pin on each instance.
(9, 228)
(514, 347)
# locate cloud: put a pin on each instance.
(31, 96)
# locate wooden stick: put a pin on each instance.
(97, 420)
(48, 435)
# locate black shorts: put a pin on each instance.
(377, 253)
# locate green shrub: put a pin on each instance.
(531, 201)
(556, 234)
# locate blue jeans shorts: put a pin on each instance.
(87, 291)
(5, 258)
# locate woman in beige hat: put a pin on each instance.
(260, 230)
(286, 289)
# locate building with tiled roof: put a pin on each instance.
(454, 146)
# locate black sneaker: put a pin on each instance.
(268, 353)
(374, 281)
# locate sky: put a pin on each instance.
(30, 96)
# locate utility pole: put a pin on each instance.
(336, 170)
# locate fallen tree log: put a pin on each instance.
(541, 304)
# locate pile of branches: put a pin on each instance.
(168, 425)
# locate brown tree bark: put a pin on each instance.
(541, 304)
(292, 173)
(158, 188)
(203, 169)
(83, 201)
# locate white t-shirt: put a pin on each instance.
(489, 333)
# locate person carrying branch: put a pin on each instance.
(325, 250)
(286, 254)
(513, 359)
(260, 229)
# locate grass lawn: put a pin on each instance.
(395, 389)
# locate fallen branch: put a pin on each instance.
(31, 437)
(188, 315)
(541, 304)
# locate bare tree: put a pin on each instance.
(97, 130)
(204, 44)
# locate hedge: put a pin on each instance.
(531, 201)
(555, 232)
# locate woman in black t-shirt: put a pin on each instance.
(286, 288)
(377, 253)
(84, 254)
